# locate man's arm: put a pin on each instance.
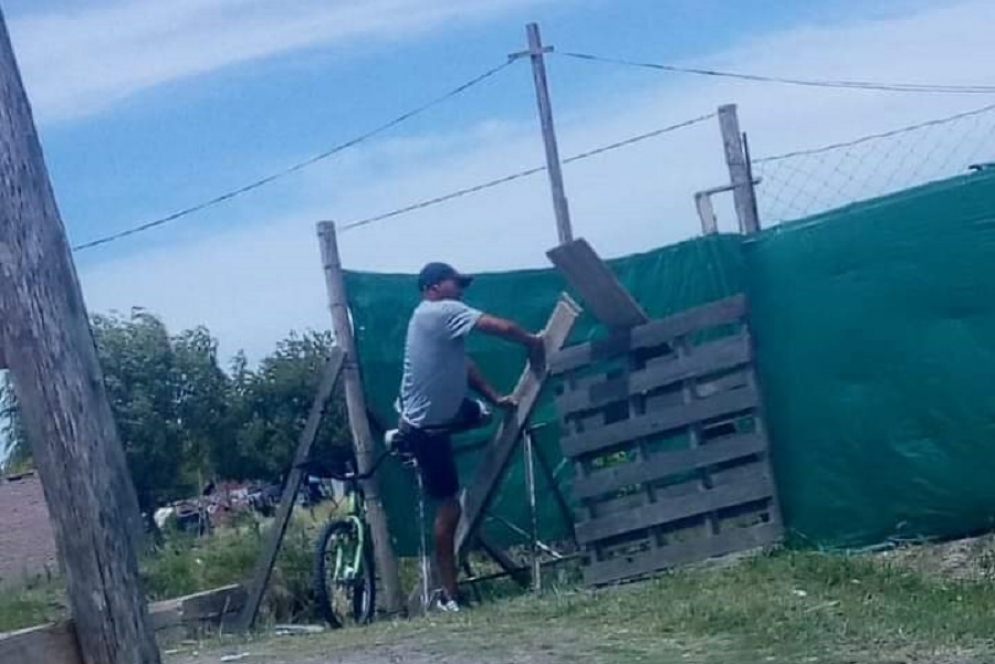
(511, 331)
(480, 384)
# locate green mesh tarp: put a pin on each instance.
(875, 327)
(695, 273)
(875, 334)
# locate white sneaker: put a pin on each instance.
(448, 606)
(445, 604)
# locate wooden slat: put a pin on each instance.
(658, 422)
(266, 560)
(653, 333)
(659, 466)
(672, 555)
(481, 490)
(598, 287)
(756, 488)
(209, 605)
(56, 643)
(46, 644)
(712, 357)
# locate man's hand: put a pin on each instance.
(537, 352)
(507, 402)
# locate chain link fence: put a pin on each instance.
(806, 182)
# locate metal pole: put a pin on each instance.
(536, 51)
(530, 480)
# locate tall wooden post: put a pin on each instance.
(739, 170)
(358, 422)
(560, 207)
(49, 349)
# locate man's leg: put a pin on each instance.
(441, 484)
(446, 519)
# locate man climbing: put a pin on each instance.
(433, 399)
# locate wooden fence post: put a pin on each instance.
(739, 170)
(49, 349)
(358, 422)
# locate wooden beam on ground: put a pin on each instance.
(599, 288)
(518, 573)
(264, 564)
(386, 559)
(56, 643)
(480, 492)
(50, 352)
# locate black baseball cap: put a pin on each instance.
(434, 274)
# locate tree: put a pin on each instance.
(183, 420)
(272, 403)
(140, 376)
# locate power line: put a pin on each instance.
(296, 167)
(872, 137)
(522, 174)
(858, 85)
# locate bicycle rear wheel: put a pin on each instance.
(345, 592)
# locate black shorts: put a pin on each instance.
(433, 450)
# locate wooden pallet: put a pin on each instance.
(664, 426)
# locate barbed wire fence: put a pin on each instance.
(803, 183)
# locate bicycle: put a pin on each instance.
(354, 565)
(343, 554)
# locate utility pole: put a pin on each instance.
(536, 52)
(49, 349)
(358, 422)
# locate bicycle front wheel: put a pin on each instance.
(344, 579)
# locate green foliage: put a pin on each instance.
(183, 420)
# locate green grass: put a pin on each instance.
(186, 565)
(788, 607)
(783, 607)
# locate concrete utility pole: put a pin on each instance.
(560, 207)
(49, 349)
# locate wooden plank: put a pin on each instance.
(739, 170)
(654, 333)
(264, 564)
(519, 574)
(758, 487)
(600, 290)
(661, 421)
(672, 555)
(56, 643)
(207, 606)
(50, 352)
(480, 492)
(46, 644)
(712, 357)
(662, 465)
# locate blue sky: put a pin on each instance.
(147, 107)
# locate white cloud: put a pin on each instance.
(80, 61)
(251, 286)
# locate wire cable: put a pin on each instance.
(296, 167)
(859, 85)
(522, 174)
(872, 137)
